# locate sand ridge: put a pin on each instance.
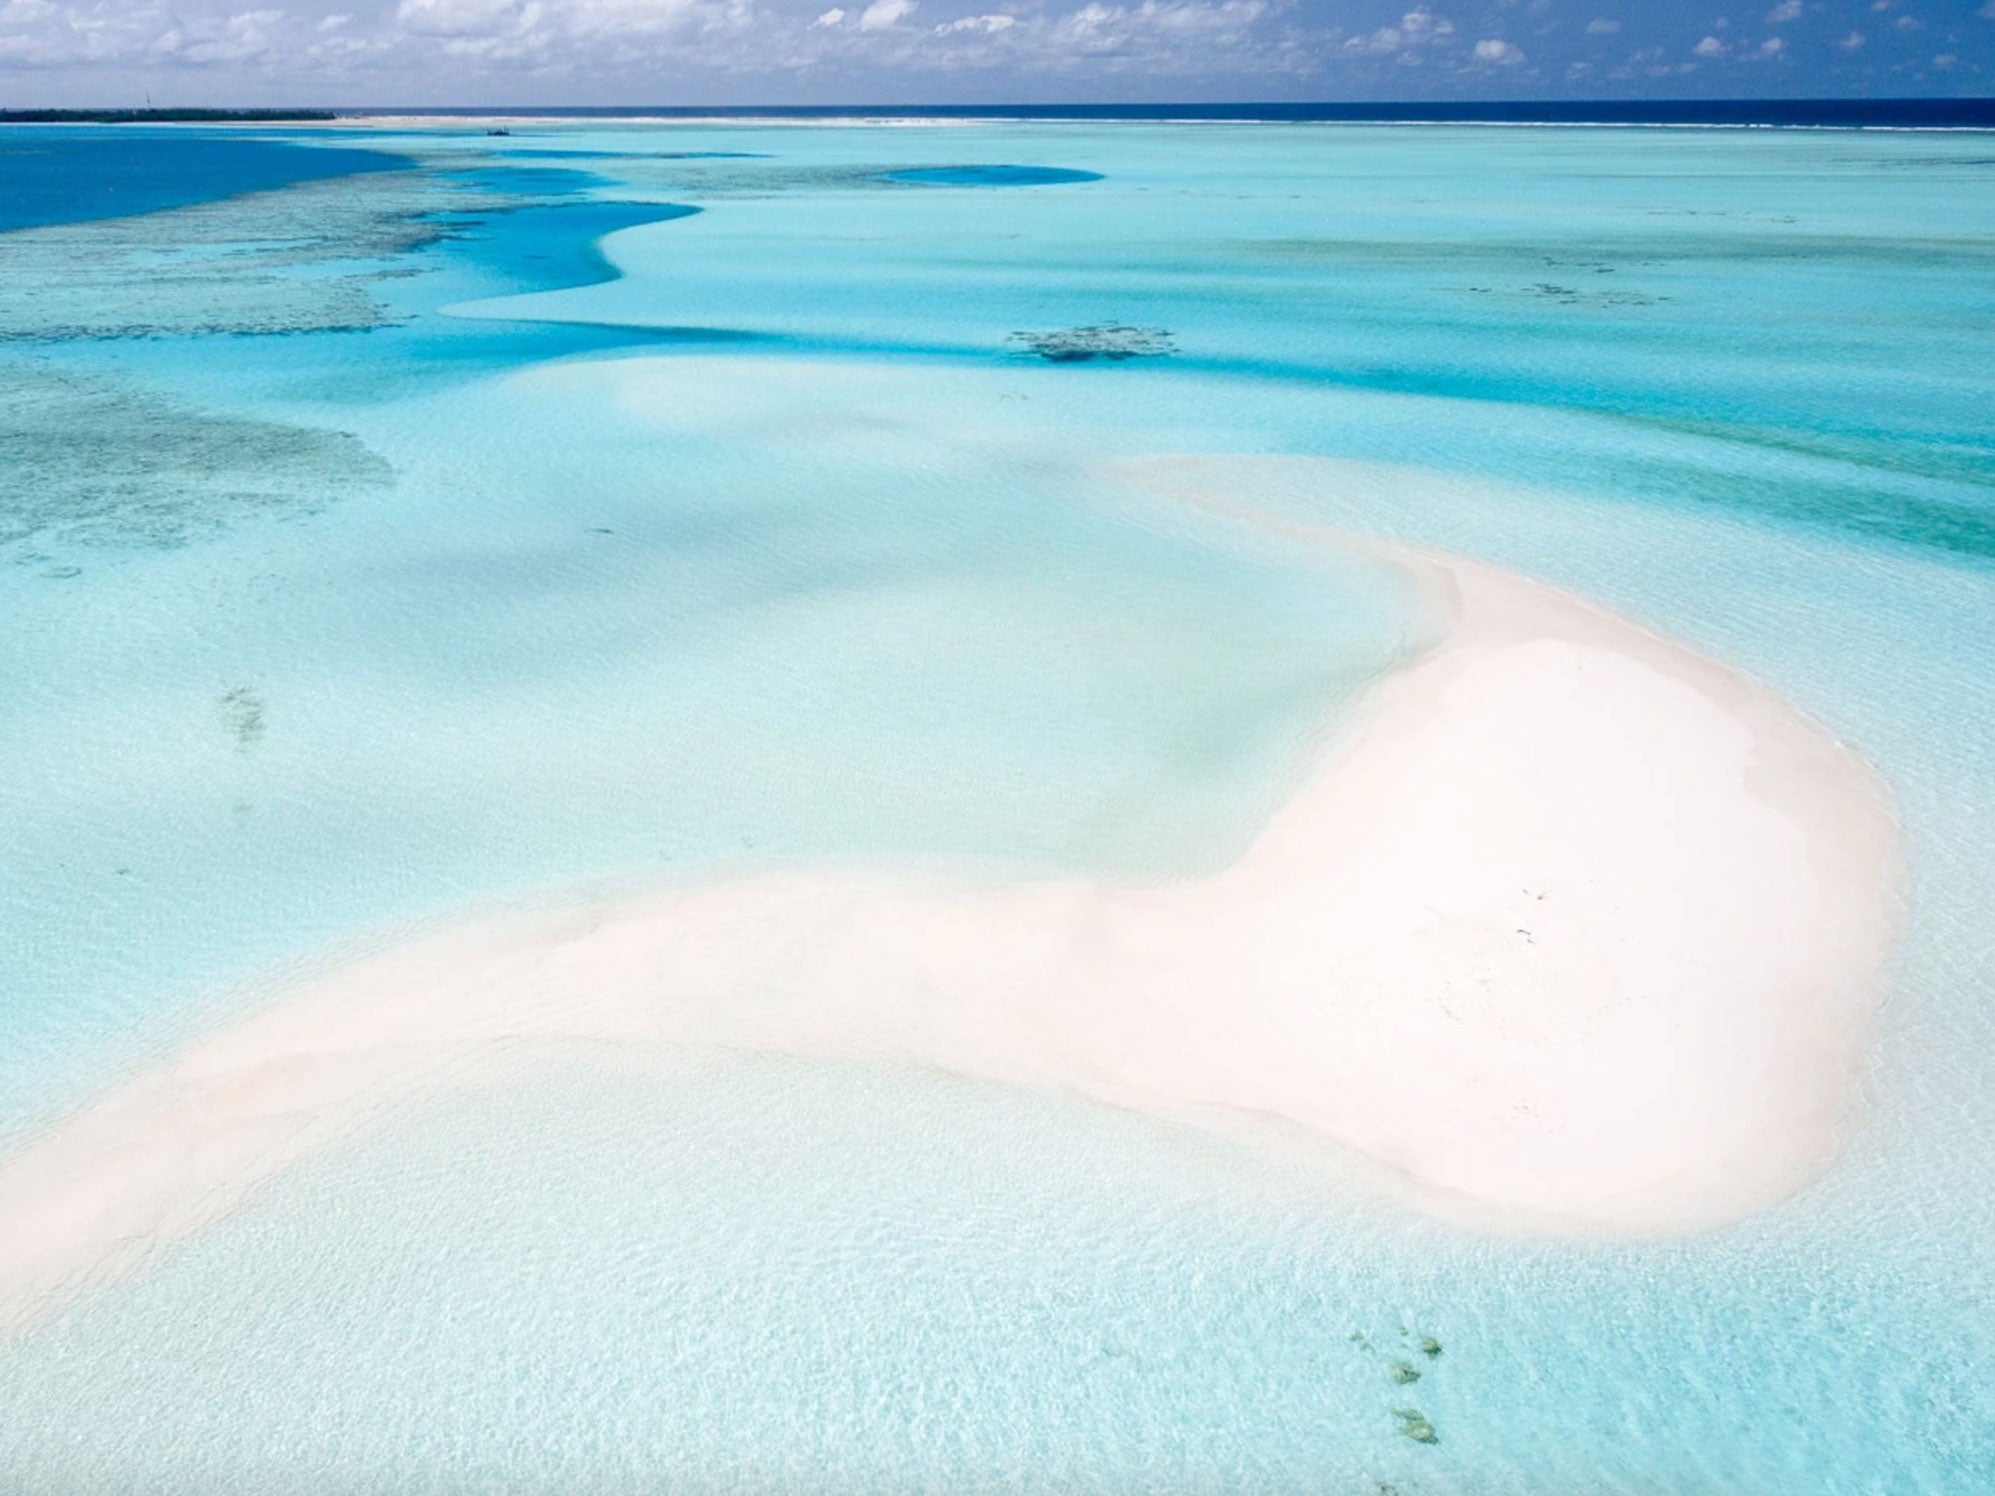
(1571, 929)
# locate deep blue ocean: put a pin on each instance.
(64, 174)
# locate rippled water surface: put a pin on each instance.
(615, 504)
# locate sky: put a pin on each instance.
(362, 53)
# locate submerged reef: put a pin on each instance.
(98, 463)
(1574, 295)
(296, 259)
(1414, 1425)
(242, 717)
(1752, 238)
(988, 176)
(301, 258)
(1112, 341)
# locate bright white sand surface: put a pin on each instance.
(1572, 929)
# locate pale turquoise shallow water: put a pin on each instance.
(332, 610)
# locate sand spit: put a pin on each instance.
(1572, 929)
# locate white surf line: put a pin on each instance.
(1574, 930)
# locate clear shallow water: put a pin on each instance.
(428, 593)
(742, 1272)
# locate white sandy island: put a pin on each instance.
(1571, 929)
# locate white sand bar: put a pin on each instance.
(1571, 930)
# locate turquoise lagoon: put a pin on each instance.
(617, 504)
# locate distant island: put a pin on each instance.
(1906, 113)
(159, 116)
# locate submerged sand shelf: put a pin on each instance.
(1571, 929)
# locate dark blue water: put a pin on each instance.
(548, 245)
(558, 155)
(62, 175)
(507, 227)
(554, 244)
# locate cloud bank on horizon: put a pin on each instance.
(444, 52)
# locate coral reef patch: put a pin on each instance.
(988, 176)
(102, 464)
(1112, 341)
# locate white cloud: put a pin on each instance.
(988, 25)
(1946, 62)
(1500, 53)
(1787, 10)
(1773, 46)
(1110, 27)
(421, 49)
(1710, 47)
(39, 33)
(479, 36)
(1156, 38)
(1097, 38)
(625, 19)
(1416, 28)
(882, 15)
(245, 38)
(1608, 26)
(1853, 42)
(454, 17)
(1909, 23)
